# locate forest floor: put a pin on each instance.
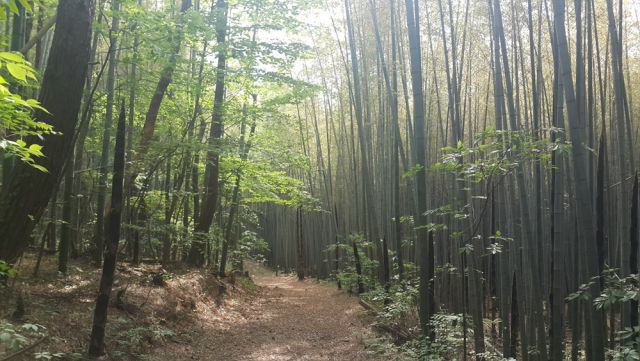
(286, 320)
(195, 315)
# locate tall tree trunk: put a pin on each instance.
(96, 343)
(61, 94)
(358, 265)
(106, 132)
(133, 80)
(235, 196)
(300, 249)
(584, 206)
(212, 171)
(427, 304)
(168, 211)
(65, 231)
(633, 255)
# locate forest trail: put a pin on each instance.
(286, 320)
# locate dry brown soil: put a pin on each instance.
(286, 320)
(189, 318)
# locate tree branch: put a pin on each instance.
(39, 35)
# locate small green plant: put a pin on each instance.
(14, 337)
(251, 246)
(448, 341)
(617, 290)
(135, 336)
(6, 271)
(161, 333)
(46, 355)
(398, 304)
(348, 276)
(381, 346)
(629, 350)
(246, 283)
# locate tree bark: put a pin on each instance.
(633, 254)
(210, 202)
(66, 227)
(96, 343)
(427, 304)
(584, 206)
(61, 92)
(106, 134)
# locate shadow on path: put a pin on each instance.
(286, 320)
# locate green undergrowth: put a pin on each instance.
(247, 284)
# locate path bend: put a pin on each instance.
(287, 320)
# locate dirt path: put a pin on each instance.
(286, 320)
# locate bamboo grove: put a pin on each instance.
(468, 162)
(492, 144)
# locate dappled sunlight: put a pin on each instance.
(245, 180)
(288, 320)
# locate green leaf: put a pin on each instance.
(35, 149)
(13, 7)
(13, 57)
(466, 249)
(26, 5)
(17, 71)
(40, 168)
